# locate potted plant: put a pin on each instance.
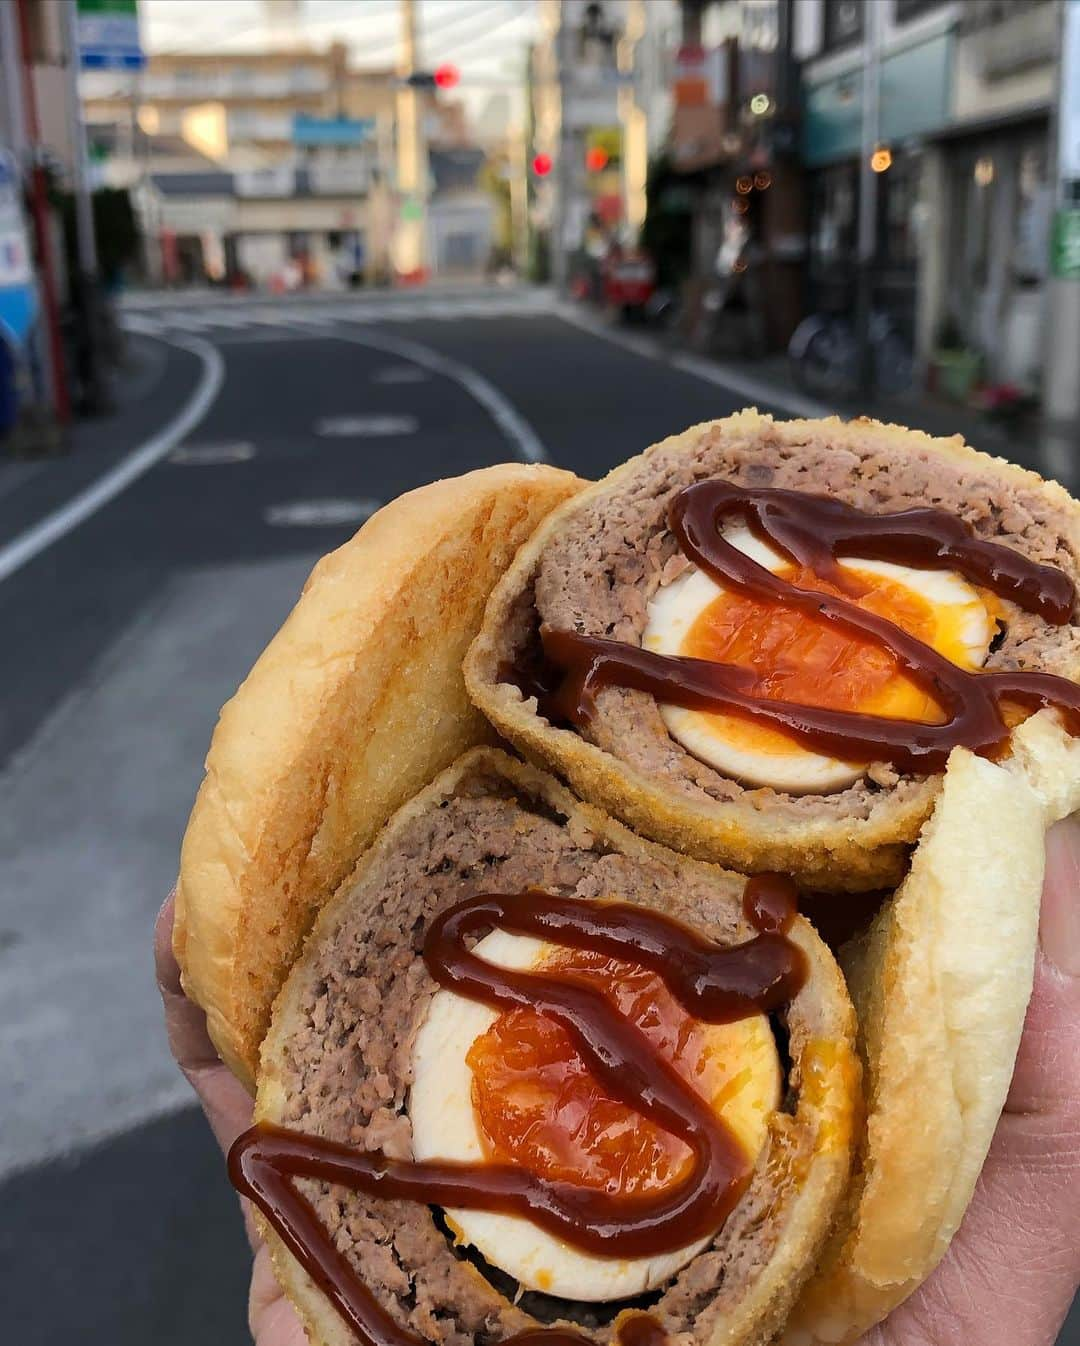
(956, 365)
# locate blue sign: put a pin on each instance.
(18, 297)
(307, 130)
(108, 33)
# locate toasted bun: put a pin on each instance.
(355, 704)
(940, 984)
(821, 1044)
(828, 850)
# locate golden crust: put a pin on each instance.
(356, 703)
(825, 1067)
(830, 853)
(941, 984)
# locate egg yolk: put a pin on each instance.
(814, 663)
(538, 1106)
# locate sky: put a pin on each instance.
(484, 38)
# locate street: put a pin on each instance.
(137, 585)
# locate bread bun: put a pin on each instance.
(355, 704)
(940, 985)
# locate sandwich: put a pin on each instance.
(540, 1049)
(614, 571)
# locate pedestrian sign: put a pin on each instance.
(1065, 248)
(108, 32)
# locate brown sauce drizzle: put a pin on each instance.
(716, 984)
(812, 531)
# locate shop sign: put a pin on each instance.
(1065, 245)
(914, 101)
(308, 130)
(278, 180)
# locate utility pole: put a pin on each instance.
(411, 226)
(635, 143)
(560, 263)
(868, 195)
(20, 72)
(95, 398)
(1061, 387)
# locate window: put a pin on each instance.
(843, 22)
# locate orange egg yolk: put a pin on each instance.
(539, 1107)
(814, 663)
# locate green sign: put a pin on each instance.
(411, 209)
(1065, 245)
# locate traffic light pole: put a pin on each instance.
(90, 306)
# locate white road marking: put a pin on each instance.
(320, 513)
(61, 521)
(209, 455)
(527, 443)
(366, 427)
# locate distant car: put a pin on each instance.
(629, 281)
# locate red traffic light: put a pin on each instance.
(541, 165)
(596, 158)
(446, 76)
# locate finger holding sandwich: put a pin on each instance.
(553, 1060)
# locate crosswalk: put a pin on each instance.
(239, 318)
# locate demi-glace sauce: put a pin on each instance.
(716, 984)
(813, 531)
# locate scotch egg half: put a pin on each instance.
(512, 1088)
(797, 659)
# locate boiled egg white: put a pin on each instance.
(445, 1126)
(960, 626)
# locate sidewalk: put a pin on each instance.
(150, 388)
(768, 384)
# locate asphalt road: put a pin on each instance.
(122, 637)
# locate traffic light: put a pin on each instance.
(596, 158)
(542, 165)
(442, 77)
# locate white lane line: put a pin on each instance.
(61, 521)
(724, 376)
(366, 427)
(210, 455)
(526, 442)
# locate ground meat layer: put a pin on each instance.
(355, 1004)
(598, 571)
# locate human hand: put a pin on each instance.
(228, 1109)
(1014, 1265)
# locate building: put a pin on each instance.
(267, 167)
(733, 168)
(965, 195)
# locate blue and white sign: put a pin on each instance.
(18, 296)
(108, 33)
(308, 130)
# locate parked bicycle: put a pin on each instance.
(824, 354)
